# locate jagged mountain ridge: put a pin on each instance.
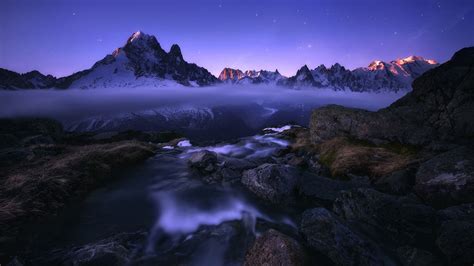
(379, 75)
(140, 62)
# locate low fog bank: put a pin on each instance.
(70, 105)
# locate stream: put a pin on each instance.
(168, 215)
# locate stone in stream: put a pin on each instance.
(272, 182)
(275, 248)
(203, 161)
(330, 236)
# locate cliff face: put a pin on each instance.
(440, 108)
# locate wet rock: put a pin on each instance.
(275, 248)
(411, 256)
(333, 238)
(203, 161)
(272, 182)
(400, 182)
(323, 190)
(456, 242)
(403, 220)
(447, 179)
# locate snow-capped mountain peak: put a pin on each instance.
(138, 36)
(140, 62)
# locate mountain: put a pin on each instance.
(29, 80)
(231, 75)
(394, 76)
(303, 78)
(236, 76)
(140, 62)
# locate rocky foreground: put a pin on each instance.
(393, 187)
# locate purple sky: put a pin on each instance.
(60, 37)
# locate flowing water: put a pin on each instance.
(183, 219)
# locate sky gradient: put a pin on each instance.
(60, 37)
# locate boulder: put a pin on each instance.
(275, 248)
(203, 161)
(272, 182)
(447, 179)
(328, 235)
(403, 220)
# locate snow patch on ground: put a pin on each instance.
(184, 143)
(278, 129)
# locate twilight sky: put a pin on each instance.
(60, 37)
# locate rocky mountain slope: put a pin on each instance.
(140, 62)
(378, 76)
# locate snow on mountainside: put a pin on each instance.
(378, 76)
(236, 76)
(140, 62)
